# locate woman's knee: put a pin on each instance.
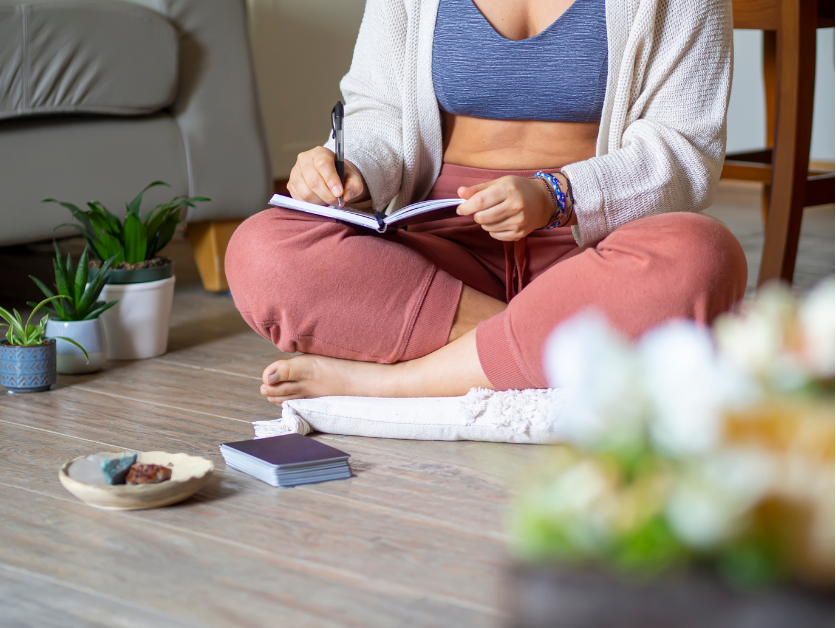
(706, 253)
(265, 249)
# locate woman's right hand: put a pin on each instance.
(314, 179)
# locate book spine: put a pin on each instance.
(381, 221)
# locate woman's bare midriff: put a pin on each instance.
(516, 144)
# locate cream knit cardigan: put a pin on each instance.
(663, 128)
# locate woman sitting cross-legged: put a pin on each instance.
(581, 136)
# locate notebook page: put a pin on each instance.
(423, 207)
(348, 215)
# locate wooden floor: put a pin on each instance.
(415, 538)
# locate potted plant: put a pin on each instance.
(76, 316)
(141, 280)
(27, 356)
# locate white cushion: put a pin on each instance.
(515, 416)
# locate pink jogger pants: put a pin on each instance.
(319, 286)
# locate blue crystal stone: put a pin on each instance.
(116, 469)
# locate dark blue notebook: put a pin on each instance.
(290, 451)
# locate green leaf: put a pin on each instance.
(112, 224)
(42, 304)
(81, 277)
(15, 325)
(53, 313)
(60, 279)
(91, 239)
(58, 310)
(97, 312)
(94, 288)
(40, 284)
(73, 342)
(135, 239)
(70, 275)
(79, 215)
(165, 234)
(159, 215)
(111, 248)
(100, 223)
(133, 206)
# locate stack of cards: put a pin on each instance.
(288, 460)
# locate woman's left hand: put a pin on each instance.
(508, 208)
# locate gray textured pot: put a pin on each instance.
(27, 369)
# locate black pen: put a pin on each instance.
(337, 116)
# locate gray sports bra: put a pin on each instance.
(559, 74)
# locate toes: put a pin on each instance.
(284, 389)
(292, 370)
(275, 373)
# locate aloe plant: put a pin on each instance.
(81, 302)
(22, 334)
(133, 240)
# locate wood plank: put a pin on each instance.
(374, 545)
(221, 350)
(194, 576)
(28, 599)
(174, 386)
(403, 486)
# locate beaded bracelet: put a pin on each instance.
(559, 218)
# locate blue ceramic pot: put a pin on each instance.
(27, 369)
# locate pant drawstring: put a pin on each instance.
(516, 267)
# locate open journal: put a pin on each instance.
(425, 211)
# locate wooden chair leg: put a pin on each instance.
(765, 192)
(796, 77)
(770, 85)
(209, 240)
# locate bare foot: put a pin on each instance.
(452, 370)
(308, 376)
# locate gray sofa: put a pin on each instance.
(100, 97)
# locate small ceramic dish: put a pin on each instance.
(188, 475)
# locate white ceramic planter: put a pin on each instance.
(89, 334)
(137, 326)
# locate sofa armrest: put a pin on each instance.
(217, 109)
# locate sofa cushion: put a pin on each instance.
(100, 56)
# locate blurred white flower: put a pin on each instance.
(712, 498)
(605, 404)
(758, 341)
(817, 317)
(689, 386)
(755, 340)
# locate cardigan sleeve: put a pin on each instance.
(373, 122)
(670, 154)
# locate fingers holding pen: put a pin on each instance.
(320, 175)
(314, 179)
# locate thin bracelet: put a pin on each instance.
(569, 192)
(571, 196)
(559, 218)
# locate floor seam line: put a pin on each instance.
(161, 405)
